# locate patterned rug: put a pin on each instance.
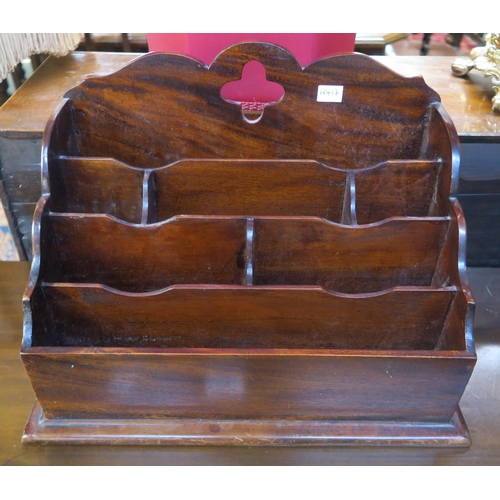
(7, 248)
(466, 44)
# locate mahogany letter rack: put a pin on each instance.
(216, 268)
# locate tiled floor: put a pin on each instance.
(7, 248)
(411, 46)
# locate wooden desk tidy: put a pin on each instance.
(207, 271)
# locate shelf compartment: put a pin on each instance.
(241, 317)
(197, 187)
(406, 188)
(250, 188)
(97, 186)
(348, 259)
(139, 258)
(217, 250)
(248, 384)
(402, 188)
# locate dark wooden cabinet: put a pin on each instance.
(200, 277)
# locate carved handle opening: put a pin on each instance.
(253, 92)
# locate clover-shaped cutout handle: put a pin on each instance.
(253, 92)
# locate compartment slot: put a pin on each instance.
(250, 188)
(452, 337)
(98, 186)
(258, 188)
(348, 259)
(241, 317)
(99, 249)
(398, 188)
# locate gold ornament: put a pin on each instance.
(485, 59)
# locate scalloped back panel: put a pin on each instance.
(163, 107)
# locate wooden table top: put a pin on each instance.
(480, 405)
(467, 100)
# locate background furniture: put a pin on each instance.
(114, 42)
(366, 43)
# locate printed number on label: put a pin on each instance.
(330, 93)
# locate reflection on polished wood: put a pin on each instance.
(480, 405)
(375, 43)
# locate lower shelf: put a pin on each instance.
(40, 430)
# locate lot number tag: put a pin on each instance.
(330, 93)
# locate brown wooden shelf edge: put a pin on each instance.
(203, 432)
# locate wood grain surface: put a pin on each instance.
(395, 189)
(249, 188)
(145, 258)
(83, 186)
(241, 317)
(348, 259)
(136, 383)
(182, 114)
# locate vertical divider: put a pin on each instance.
(349, 208)
(249, 252)
(149, 198)
(352, 185)
(435, 207)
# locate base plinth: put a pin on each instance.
(40, 430)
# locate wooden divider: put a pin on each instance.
(398, 188)
(349, 259)
(251, 188)
(97, 186)
(240, 317)
(217, 250)
(99, 249)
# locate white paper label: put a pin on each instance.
(330, 93)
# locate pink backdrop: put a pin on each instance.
(306, 47)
